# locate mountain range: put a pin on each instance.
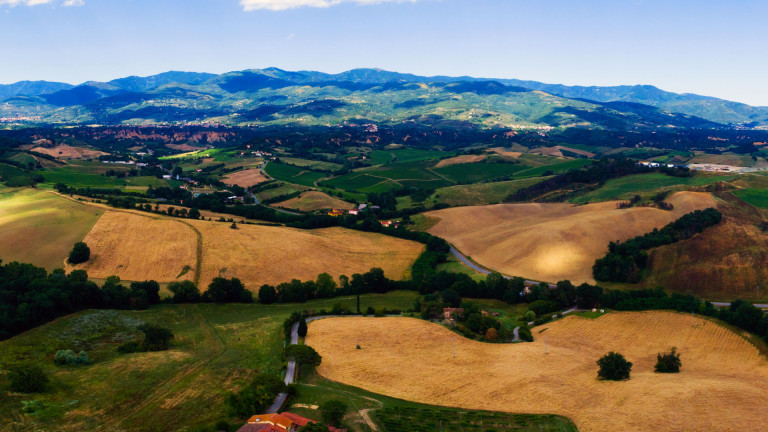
(275, 96)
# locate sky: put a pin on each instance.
(714, 48)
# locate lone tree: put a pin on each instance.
(668, 362)
(156, 338)
(302, 329)
(613, 366)
(80, 253)
(27, 378)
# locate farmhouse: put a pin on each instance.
(283, 422)
(448, 312)
(336, 213)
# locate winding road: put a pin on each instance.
(464, 260)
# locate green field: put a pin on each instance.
(555, 168)
(481, 193)
(645, 185)
(477, 172)
(40, 228)
(755, 197)
(217, 348)
(218, 155)
(292, 174)
(307, 163)
(406, 155)
(72, 175)
(388, 177)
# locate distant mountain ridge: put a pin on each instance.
(274, 95)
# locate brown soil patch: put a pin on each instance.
(185, 147)
(721, 385)
(63, 151)
(558, 151)
(245, 178)
(313, 200)
(552, 242)
(460, 160)
(504, 152)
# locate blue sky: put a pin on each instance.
(715, 48)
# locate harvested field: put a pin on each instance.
(314, 200)
(40, 228)
(505, 152)
(412, 359)
(552, 242)
(245, 178)
(270, 255)
(137, 248)
(460, 160)
(64, 151)
(557, 151)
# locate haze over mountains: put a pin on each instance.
(275, 96)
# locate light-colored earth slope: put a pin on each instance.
(314, 200)
(721, 386)
(40, 228)
(245, 178)
(460, 160)
(136, 246)
(552, 242)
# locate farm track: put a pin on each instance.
(199, 264)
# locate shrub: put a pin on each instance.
(304, 355)
(130, 347)
(529, 316)
(68, 357)
(156, 338)
(184, 292)
(613, 366)
(333, 411)
(668, 362)
(267, 294)
(27, 378)
(79, 254)
(491, 334)
(525, 334)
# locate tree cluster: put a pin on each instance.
(626, 260)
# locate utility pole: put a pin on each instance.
(454, 347)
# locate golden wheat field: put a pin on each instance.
(245, 178)
(552, 242)
(721, 385)
(270, 255)
(136, 246)
(314, 200)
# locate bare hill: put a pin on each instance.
(413, 359)
(552, 242)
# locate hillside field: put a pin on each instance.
(40, 228)
(245, 178)
(413, 359)
(314, 200)
(552, 242)
(136, 246)
(645, 185)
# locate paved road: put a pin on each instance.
(474, 267)
(290, 371)
(757, 305)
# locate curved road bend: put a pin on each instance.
(474, 267)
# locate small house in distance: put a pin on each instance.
(283, 422)
(448, 312)
(336, 212)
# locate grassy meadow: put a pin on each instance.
(646, 185)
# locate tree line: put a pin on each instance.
(625, 261)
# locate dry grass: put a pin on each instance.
(460, 160)
(270, 255)
(40, 228)
(245, 178)
(64, 151)
(721, 386)
(505, 152)
(136, 248)
(314, 200)
(552, 242)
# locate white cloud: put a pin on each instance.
(14, 3)
(277, 5)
